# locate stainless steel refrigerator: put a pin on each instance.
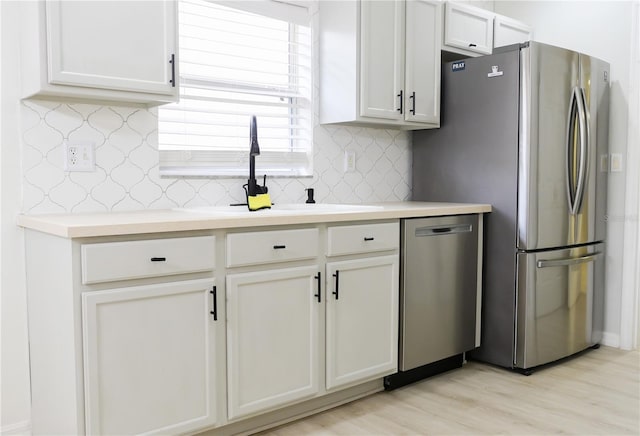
(525, 129)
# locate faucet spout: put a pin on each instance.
(253, 152)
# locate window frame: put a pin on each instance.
(296, 160)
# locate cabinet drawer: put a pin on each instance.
(271, 246)
(110, 261)
(363, 238)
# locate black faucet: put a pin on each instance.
(252, 185)
(257, 195)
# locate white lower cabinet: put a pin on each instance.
(183, 332)
(149, 357)
(362, 320)
(272, 338)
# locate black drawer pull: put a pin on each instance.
(319, 294)
(337, 276)
(172, 61)
(472, 45)
(279, 247)
(158, 259)
(368, 238)
(214, 297)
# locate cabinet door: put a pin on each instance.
(422, 51)
(362, 320)
(118, 45)
(468, 28)
(150, 358)
(507, 31)
(272, 338)
(382, 59)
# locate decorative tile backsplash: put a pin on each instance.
(126, 175)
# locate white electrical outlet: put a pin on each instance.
(349, 161)
(616, 162)
(79, 156)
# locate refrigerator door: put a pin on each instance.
(559, 201)
(594, 82)
(560, 304)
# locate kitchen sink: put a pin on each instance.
(284, 209)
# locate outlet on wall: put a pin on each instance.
(79, 156)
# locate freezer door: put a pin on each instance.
(559, 303)
(560, 181)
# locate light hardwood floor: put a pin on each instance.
(594, 393)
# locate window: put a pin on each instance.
(237, 59)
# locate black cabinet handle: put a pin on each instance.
(172, 61)
(413, 103)
(366, 238)
(214, 297)
(319, 294)
(279, 247)
(472, 45)
(400, 95)
(158, 259)
(337, 276)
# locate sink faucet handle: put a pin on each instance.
(310, 195)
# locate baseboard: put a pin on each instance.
(610, 339)
(18, 428)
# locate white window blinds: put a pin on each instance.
(237, 59)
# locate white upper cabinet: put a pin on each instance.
(422, 74)
(122, 51)
(507, 31)
(380, 63)
(382, 59)
(474, 31)
(468, 28)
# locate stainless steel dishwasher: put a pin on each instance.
(438, 295)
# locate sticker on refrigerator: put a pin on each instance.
(494, 72)
(457, 66)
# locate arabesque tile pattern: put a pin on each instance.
(126, 175)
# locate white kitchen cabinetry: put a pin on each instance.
(362, 304)
(124, 51)
(272, 338)
(507, 31)
(150, 358)
(154, 334)
(382, 59)
(122, 335)
(380, 63)
(474, 31)
(272, 319)
(468, 28)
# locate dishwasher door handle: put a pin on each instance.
(443, 230)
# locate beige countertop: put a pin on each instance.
(225, 217)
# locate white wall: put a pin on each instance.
(603, 29)
(15, 411)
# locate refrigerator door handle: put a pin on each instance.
(585, 145)
(569, 261)
(576, 114)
